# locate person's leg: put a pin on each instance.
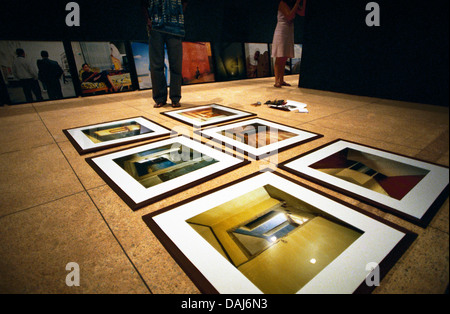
(280, 63)
(36, 88)
(26, 86)
(156, 53)
(175, 54)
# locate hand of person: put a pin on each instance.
(149, 24)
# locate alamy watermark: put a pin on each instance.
(373, 278)
(73, 17)
(73, 277)
(373, 18)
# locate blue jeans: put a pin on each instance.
(175, 54)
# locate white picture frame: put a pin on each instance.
(169, 165)
(417, 203)
(201, 116)
(85, 140)
(228, 136)
(381, 243)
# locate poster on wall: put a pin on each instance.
(200, 116)
(296, 61)
(257, 60)
(407, 187)
(90, 138)
(267, 233)
(230, 61)
(142, 64)
(197, 63)
(258, 138)
(148, 173)
(102, 67)
(35, 71)
(292, 64)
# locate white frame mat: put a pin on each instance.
(84, 145)
(136, 195)
(301, 136)
(417, 206)
(236, 114)
(213, 273)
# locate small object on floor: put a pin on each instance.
(256, 104)
(176, 105)
(159, 105)
(275, 102)
(288, 105)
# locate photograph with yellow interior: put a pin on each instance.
(206, 114)
(116, 131)
(275, 240)
(257, 135)
(379, 174)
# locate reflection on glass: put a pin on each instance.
(257, 135)
(115, 131)
(206, 114)
(376, 173)
(162, 164)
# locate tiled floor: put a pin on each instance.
(54, 209)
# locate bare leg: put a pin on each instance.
(280, 63)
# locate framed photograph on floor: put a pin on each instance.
(258, 138)
(90, 138)
(201, 116)
(267, 233)
(148, 173)
(410, 188)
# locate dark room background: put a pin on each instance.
(405, 58)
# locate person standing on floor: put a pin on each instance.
(283, 37)
(27, 75)
(165, 23)
(50, 73)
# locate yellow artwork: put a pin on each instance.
(257, 135)
(277, 241)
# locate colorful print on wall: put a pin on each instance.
(197, 63)
(35, 71)
(257, 60)
(103, 67)
(230, 61)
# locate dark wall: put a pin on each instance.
(206, 20)
(405, 58)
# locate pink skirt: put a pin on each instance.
(283, 40)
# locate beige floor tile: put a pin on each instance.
(23, 135)
(423, 269)
(383, 127)
(12, 115)
(159, 270)
(34, 176)
(37, 244)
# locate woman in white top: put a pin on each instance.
(283, 37)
